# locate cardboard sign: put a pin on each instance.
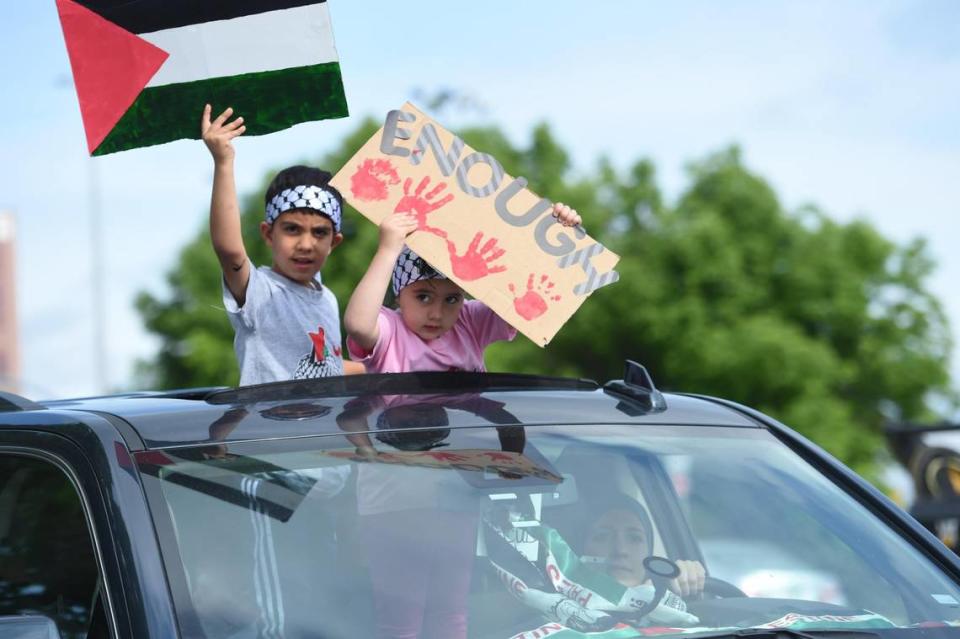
(467, 459)
(478, 226)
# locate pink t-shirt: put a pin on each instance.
(400, 350)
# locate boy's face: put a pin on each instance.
(300, 242)
(430, 308)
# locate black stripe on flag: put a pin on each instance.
(146, 16)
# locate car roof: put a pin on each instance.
(311, 407)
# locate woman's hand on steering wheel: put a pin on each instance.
(691, 579)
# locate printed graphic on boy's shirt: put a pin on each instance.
(320, 361)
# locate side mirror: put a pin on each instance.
(28, 627)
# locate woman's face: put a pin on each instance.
(619, 538)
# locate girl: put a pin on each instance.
(433, 328)
(420, 550)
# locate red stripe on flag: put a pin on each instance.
(111, 66)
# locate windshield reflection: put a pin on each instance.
(405, 527)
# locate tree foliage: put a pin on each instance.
(827, 326)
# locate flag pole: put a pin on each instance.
(96, 283)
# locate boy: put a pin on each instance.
(287, 323)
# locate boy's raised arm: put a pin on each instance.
(225, 231)
(363, 309)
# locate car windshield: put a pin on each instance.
(529, 532)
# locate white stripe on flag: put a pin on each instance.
(274, 582)
(250, 489)
(284, 39)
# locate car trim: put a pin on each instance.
(663, 498)
(394, 384)
(126, 430)
(187, 621)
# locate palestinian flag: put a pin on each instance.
(144, 68)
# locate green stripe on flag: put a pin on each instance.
(269, 101)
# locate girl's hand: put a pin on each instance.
(218, 135)
(394, 230)
(565, 215)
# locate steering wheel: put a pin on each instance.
(661, 570)
(721, 589)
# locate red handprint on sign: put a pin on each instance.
(532, 304)
(421, 204)
(475, 263)
(372, 180)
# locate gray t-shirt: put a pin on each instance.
(285, 330)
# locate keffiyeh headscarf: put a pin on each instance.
(305, 196)
(411, 268)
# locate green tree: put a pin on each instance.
(826, 326)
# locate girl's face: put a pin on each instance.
(430, 308)
(619, 538)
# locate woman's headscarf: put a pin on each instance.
(596, 506)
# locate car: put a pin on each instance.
(480, 505)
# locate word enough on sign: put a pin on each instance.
(479, 226)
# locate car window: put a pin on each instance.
(511, 532)
(760, 529)
(47, 561)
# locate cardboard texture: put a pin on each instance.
(466, 459)
(478, 226)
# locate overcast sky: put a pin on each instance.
(852, 106)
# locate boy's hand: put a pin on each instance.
(217, 135)
(395, 228)
(565, 215)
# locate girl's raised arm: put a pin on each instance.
(363, 309)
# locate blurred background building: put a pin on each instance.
(9, 351)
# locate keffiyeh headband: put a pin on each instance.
(305, 197)
(411, 268)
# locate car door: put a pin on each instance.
(49, 562)
(94, 451)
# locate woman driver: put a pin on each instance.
(592, 582)
(619, 536)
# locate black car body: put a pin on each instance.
(454, 504)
